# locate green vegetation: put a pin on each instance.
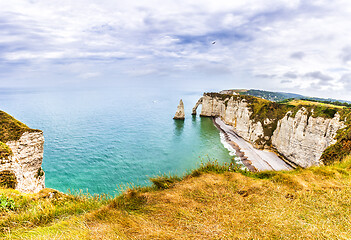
(5, 151)
(211, 202)
(28, 211)
(297, 102)
(6, 204)
(10, 130)
(340, 149)
(40, 173)
(271, 96)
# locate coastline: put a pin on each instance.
(254, 159)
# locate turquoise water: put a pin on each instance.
(99, 140)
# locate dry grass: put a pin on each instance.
(297, 102)
(310, 203)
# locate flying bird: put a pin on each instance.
(214, 42)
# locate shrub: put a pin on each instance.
(8, 179)
(6, 204)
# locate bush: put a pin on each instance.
(6, 204)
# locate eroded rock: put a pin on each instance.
(180, 111)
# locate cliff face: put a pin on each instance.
(21, 156)
(234, 112)
(302, 139)
(295, 133)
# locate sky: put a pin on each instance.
(289, 45)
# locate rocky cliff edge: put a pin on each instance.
(21, 156)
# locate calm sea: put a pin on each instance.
(99, 140)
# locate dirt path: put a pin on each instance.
(254, 159)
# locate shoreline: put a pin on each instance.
(254, 159)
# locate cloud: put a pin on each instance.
(346, 81)
(265, 75)
(346, 54)
(297, 55)
(291, 75)
(318, 75)
(286, 81)
(89, 75)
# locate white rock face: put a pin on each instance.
(301, 139)
(26, 162)
(180, 111)
(233, 112)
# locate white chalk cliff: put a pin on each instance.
(25, 162)
(300, 139)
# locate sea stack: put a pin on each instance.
(180, 111)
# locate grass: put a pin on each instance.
(211, 202)
(297, 102)
(35, 210)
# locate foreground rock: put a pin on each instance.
(180, 111)
(21, 156)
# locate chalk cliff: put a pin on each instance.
(21, 156)
(297, 133)
(180, 111)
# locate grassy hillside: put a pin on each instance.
(212, 202)
(297, 102)
(281, 96)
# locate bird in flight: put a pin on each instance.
(214, 42)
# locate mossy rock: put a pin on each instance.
(8, 179)
(12, 129)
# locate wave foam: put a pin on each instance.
(229, 148)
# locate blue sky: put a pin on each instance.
(294, 46)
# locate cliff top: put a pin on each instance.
(10, 130)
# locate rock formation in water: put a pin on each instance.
(298, 133)
(180, 111)
(21, 156)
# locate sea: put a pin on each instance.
(104, 140)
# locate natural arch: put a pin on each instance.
(196, 105)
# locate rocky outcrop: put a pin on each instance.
(25, 162)
(298, 135)
(180, 111)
